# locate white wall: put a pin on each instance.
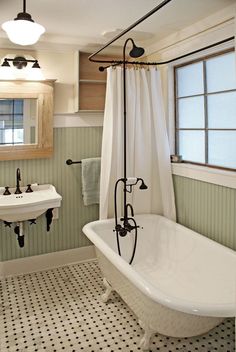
(61, 66)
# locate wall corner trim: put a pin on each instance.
(46, 261)
(80, 119)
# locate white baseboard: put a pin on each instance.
(46, 261)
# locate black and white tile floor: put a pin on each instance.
(61, 310)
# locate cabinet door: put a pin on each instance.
(92, 96)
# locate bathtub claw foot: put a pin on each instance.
(106, 295)
(145, 340)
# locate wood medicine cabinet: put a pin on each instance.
(26, 119)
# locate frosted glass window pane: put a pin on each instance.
(222, 147)
(190, 80)
(192, 145)
(221, 73)
(222, 110)
(191, 112)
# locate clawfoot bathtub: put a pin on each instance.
(180, 283)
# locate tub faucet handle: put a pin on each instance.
(121, 230)
(130, 227)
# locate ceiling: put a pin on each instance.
(81, 23)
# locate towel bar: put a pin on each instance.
(70, 162)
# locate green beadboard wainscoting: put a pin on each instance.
(69, 143)
(207, 208)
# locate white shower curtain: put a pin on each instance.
(148, 154)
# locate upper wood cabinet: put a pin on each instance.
(92, 83)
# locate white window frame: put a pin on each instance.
(208, 174)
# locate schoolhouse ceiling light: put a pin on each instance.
(23, 30)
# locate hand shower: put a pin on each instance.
(132, 181)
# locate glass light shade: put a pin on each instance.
(23, 32)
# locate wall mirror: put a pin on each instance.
(18, 121)
(26, 119)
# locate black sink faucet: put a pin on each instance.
(18, 179)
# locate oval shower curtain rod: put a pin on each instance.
(150, 13)
(143, 63)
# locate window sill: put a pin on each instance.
(206, 174)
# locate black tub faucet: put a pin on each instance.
(131, 209)
(18, 179)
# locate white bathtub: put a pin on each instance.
(180, 284)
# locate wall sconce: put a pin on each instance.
(23, 30)
(20, 62)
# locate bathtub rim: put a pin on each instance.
(154, 293)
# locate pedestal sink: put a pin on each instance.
(26, 206)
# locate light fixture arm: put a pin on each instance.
(24, 15)
(20, 62)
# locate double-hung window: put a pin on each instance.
(205, 92)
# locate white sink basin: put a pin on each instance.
(26, 206)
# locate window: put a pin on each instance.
(11, 121)
(206, 111)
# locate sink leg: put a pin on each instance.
(19, 232)
(49, 217)
(21, 241)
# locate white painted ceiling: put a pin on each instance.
(82, 22)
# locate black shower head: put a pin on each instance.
(142, 186)
(136, 51)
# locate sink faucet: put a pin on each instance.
(18, 179)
